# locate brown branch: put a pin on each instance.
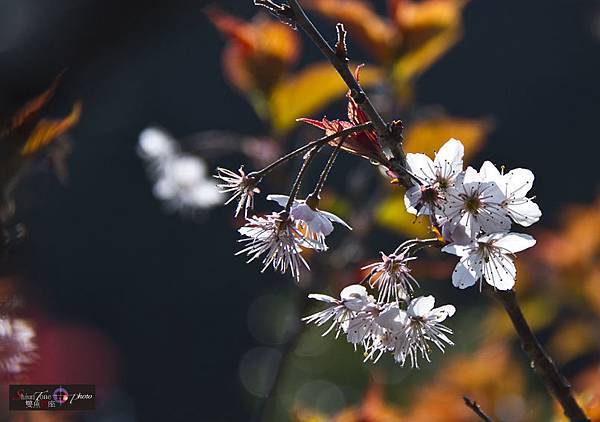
(472, 404)
(543, 365)
(296, 188)
(313, 199)
(390, 135)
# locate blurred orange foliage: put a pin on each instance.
(258, 53)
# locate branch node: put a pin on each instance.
(341, 48)
(283, 12)
(476, 408)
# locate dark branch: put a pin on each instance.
(283, 12)
(556, 383)
(390, 135)
(472, 404)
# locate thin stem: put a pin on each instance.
(311, 155)
(472, 404)
(391, 139)
(317, 142)
(325, 173)
(556, 383)
(413, 242)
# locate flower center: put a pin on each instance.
(472, 204)
(429, 194)
(443, 183)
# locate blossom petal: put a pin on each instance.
(320, 224)
(280, 199)
(524, 212)
(449, 158)
(490, 173)
(464, 275)
(335, 218)
(355, 297)
(500, 272)
(519, 181)
(515, 242)
(471, 223)
(323, 298)
(357, 330)
(471, 176)
(441, 313)
(456, 249)
(421, 306)
(421, 166)
(412, 198)
(392, 318)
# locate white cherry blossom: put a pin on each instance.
(489, 257)
(17, 348)
(180, 179)
(473, 205)
(314, 223)
(353, 300)
(183, 183)
(156, 144)
(412, 330)
(435, 177)
(514, 185)
(275, 237)
(392, 277)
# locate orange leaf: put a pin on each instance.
(391, 213)
(428, 135)
(258, 54)
(47, 130)
(31, 108)
(429, 29)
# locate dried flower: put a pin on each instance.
(391, 276)
(242, 185)
(276, 237)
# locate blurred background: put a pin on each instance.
(150, 304)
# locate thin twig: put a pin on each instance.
(325, 173)
(543, 365)
(296, 188)
(310, 145)
(472, 404)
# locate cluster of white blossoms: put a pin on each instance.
(472, 212)
(17, 349)
(181, 180)
(404, 327)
